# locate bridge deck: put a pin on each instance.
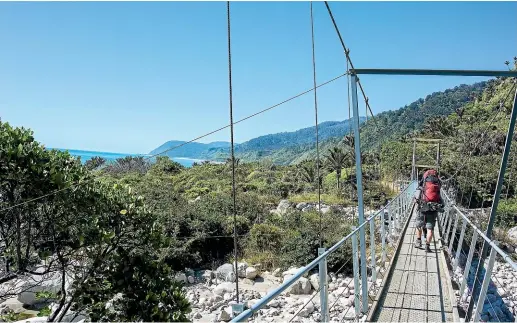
(418, 288)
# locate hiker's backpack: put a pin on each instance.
(431, 187)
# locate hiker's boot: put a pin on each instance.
(427, 248)
(418, 243)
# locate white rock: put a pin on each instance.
(39, 283)
(223, 288)
(307, 310)
(283, 206)
(512, 234)
(241, 269)
(181, 277)
(291, 271)
(197, 315)
(277, 272)
(225, 273)
(300, 287)
(190, 280)
(251, 273)
(315, 281)
(225, 314)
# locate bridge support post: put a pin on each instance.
(453, 235)
(466, 272)
(495, 203)
(460, 243)
(360, 202)
(383, 239)
(484, 286)
(355, 261)
(323, 287)
(372, 250)
(449, 224)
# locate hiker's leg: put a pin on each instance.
(419, 224)
(429, 236)
(430, 223)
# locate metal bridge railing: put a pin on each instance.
(351, 300)
(463, 241)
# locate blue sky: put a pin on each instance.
(126, 77)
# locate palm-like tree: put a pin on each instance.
(309, 173)
(336, 161)
(95, 162)
(229, 161)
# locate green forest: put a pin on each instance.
(126, 228)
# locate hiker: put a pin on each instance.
(429, 203)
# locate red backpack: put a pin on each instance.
(431, 187)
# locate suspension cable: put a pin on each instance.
(234, 208)
(347, 54)
(316, 121)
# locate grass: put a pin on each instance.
(313, 198)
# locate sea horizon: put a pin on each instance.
(86, 155)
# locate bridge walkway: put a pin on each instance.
(418, 287)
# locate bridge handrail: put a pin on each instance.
(302, 271)
(491, 242)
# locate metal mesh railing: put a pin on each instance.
(463, 242)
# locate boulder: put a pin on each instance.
(301, 287)
(207, 275)
(283, 206)
(248, 281)
(181, 277)
(307, 310)
(40, 283)
(241, 269)
(225, 314)
(224, 288)
(512, 234)
(225, 273)
(190, 280)
(308, 208)
(251, 273)
(197, 315)
(301, 206)
(315, 281)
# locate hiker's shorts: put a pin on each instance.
(427, 219)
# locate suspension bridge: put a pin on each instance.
(394, 281)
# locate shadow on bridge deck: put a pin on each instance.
(418, 288)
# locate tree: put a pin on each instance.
(308, 173)
(95, 162)
(335, 161)
(128, 164)
(165, 165)
(83, 230)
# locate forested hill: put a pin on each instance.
(261, 146)
(192, 150)
(389, 125)
(293, 147)
(398, 123)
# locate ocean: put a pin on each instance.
(86, 155)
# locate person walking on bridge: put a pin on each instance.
(430, 202)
